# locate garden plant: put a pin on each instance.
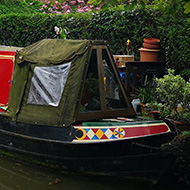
(174, 93)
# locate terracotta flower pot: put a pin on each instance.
(151, 46)
(151, 41)
(149, 54)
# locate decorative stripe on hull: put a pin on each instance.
(94, 133)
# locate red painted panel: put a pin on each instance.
(144, 131)
(6, 69)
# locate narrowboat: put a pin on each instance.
(63, 103)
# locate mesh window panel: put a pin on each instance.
(47, 84)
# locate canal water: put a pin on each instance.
(20, 176)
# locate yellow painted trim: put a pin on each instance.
(84, 134)
(7, 57)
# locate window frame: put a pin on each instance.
(105, 112)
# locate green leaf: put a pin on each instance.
(142, 3)
(63, 33)
(145, 1)
(112, 2)
(95, 2)
(128, 7)
(134, 3)
(187, 8)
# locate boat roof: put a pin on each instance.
(9, 48)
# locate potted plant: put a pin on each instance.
(150, 103)
(128, 55)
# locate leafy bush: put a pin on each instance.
(146, 95)
(25, 29)
(115, 25)
(173, 31)
(174, 91)
(19, 6)
(150, 102)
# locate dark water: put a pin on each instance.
(17, 176)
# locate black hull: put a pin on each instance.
(149, 167)
(139, 158)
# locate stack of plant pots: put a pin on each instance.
(150, 50)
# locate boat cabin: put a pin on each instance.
(7, 58)
(59, 82)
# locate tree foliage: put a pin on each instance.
(125, 3)
(187, 9)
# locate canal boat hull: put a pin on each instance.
(68, 107)
(134, 157)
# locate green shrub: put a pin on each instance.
(25, 29)
(174, 31)
(174, 91)
(19, 6)
(147, 95)
(115, 25)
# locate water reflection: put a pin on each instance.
(17, 176)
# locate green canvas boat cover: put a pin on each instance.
(53, 51)
(47, 79)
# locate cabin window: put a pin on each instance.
(91, 95)
(47, 84)
(114, 95)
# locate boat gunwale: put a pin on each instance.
(74, 142)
